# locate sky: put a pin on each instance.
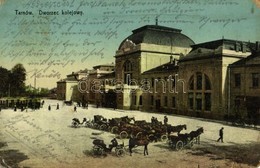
(53, 38)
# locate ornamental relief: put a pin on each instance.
(127, 45)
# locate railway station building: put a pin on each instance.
(160, 69)
(163, 70)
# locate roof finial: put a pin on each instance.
(156, 20)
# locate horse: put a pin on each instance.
(138, 142)
(196, 134)
(120, 121)
(177, 128)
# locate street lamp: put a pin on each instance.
(9, 90)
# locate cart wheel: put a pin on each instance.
(139, 135)
(179, 145)
(103, 127)
(120, 152)
(74, 124)
(89, 124)
(114, 130)
(164, 138)
(151, 137)
(98, 151)
(123, 134)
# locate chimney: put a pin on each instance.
(156, 20)
(243, 47)
(237, 46)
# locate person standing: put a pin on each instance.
(49, 107)
(58, 106)
(42, 103)
(131, 144)
(165, 120)
(220, 135)
(113, 144)
(75, 109)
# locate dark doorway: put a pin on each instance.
(109, 99)
(253, 109)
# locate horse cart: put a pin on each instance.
(185, 140)
(100, 123)
(179, 142)
(75, 122)
(100, 148)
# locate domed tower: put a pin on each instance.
(146, 48)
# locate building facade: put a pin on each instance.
(205, 72)
(148, 47)
(161, 94)
(94, 82)
(159, 69)
(67, 89)
(244, 90)
(197, 84)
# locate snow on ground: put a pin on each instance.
(45, 138)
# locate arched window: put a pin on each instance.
(199, 96)
(128, 68)
(191, 83)
(199, 81)
(207, 83)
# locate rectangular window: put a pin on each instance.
(207, 101)
(151, 100)
(191, 101)
(165, 83)
(198, 101)
(237, 80)
(141, 100)
(152, 82)
(165, 101)
(199, 81)
(173, 83)
(255, 80)
(173, 102)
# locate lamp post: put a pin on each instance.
(9, 90)
(35, 80)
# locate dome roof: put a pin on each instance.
(160, 35)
